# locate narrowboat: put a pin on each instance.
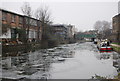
(104, 47)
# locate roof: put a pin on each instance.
(16, 13)
(116, 16)
(12, 12)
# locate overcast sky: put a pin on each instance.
(81, 13)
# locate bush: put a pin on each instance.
(52, 43)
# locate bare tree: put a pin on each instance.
(98, 26)
(27, 11)
(43, 15)
(103, 28)
(106, 25)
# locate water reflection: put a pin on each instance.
(71, 60)
(114, 56)
(34, 64)
(116, 61)
(103, 56)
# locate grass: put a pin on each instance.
(116, 48)
(101, 78)
(117, 77)
(116, 43)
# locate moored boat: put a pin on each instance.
(104, 46)
(106, 49)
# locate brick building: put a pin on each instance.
(14, 24)
(116, 28)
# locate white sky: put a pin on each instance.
(81, 13)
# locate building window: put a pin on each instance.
(35, 23)
(27, 20)
(20, 20)
(4, 16)
(35, 34)
(13, 33)
(31, 22)
(13, 18)
(31, 34)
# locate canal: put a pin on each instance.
(70, 61)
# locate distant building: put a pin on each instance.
(12, 22)
(116, 28)
(60, 30)
(63, 31)
(70, 31)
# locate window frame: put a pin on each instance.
(13, 18)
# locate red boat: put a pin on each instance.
(106, 49)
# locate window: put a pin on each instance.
(13, 33)
(35, 23)
(31, 34)
(4, 16)
(26, 20)
(31, 21)
(13, 18)
(35, 34)
(20, 20)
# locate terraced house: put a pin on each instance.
(14, 26)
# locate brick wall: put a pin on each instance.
(19, 22)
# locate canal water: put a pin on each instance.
(70, 61)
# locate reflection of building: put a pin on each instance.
(116, 28)
(103, 56)
(14, 24)
(116, 61)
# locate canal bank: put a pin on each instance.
(11, 49)
(116, 47)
